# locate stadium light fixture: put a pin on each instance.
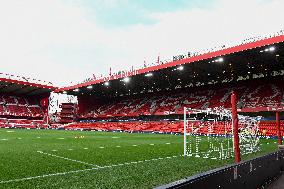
(149, 74)
(221, 59)
(90, 87)
(126, 80)
(106, 83)
(271, 49)
(180, 68)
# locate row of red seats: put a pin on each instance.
(129, 126)
(26, 124)
(265, 95)
(17, 100)
(19, 110)
(268, 128)
(22, 123)
(197, 127)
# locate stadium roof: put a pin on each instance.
(18, 86)
(263, 56)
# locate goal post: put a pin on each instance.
(210, 133)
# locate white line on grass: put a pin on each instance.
(82, 170)
(4, 139)
(77, 161)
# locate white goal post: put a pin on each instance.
(209, 133)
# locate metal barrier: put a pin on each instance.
(248, 174)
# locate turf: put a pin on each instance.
(28, 158)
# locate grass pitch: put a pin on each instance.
(75, 159)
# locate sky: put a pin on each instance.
(66, 41)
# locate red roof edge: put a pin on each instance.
(28, 83)
(222, 52)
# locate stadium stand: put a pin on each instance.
(253, 70)
(20, 106)
(23, 104)
(255, 95)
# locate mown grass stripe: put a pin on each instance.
(80, 170)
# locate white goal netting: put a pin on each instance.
(209, 133)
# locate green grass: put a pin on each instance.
(19, 159)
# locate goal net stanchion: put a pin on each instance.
(278, 128)
(235, 127)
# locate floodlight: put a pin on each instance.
(126, 80)
(149, 74)
(106, 83)
(220, 59)
(272, 49)
(180, 68)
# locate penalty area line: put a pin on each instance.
(86, 170)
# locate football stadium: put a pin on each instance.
(208, 119)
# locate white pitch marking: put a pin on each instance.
(168, 143)
(4, 139)
(37, 137)
(85, 148)
(75, 171)
(19, 138)
(102, 147)
(118, 146)
(10, 131)
(152, 144)
(53, 155)
(54, 150)
(61, 138)
(114, 137)
(70, 149)
(134, 145)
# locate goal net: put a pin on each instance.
(209, 133)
